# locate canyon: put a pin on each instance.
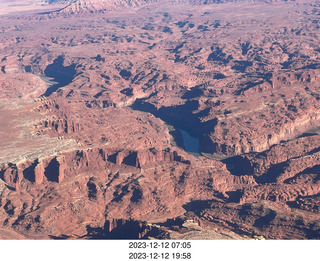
(159, 119)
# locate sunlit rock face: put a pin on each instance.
(102, 100)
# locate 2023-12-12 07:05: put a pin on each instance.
(160, 245)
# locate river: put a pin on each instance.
(190, 144)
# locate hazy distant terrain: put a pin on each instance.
(159, 119)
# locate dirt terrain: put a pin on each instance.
(96, 98)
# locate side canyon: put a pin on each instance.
(160, 119)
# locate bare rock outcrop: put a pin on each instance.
(95, 102)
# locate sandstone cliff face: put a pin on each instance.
(115, 186)
(110, 183)
(44, 169)
(280, 119)
(55, 169)
(86, 95)
(284, 163)
(12, 176)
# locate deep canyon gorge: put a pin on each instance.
(160, 119)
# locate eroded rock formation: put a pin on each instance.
(94, 102)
